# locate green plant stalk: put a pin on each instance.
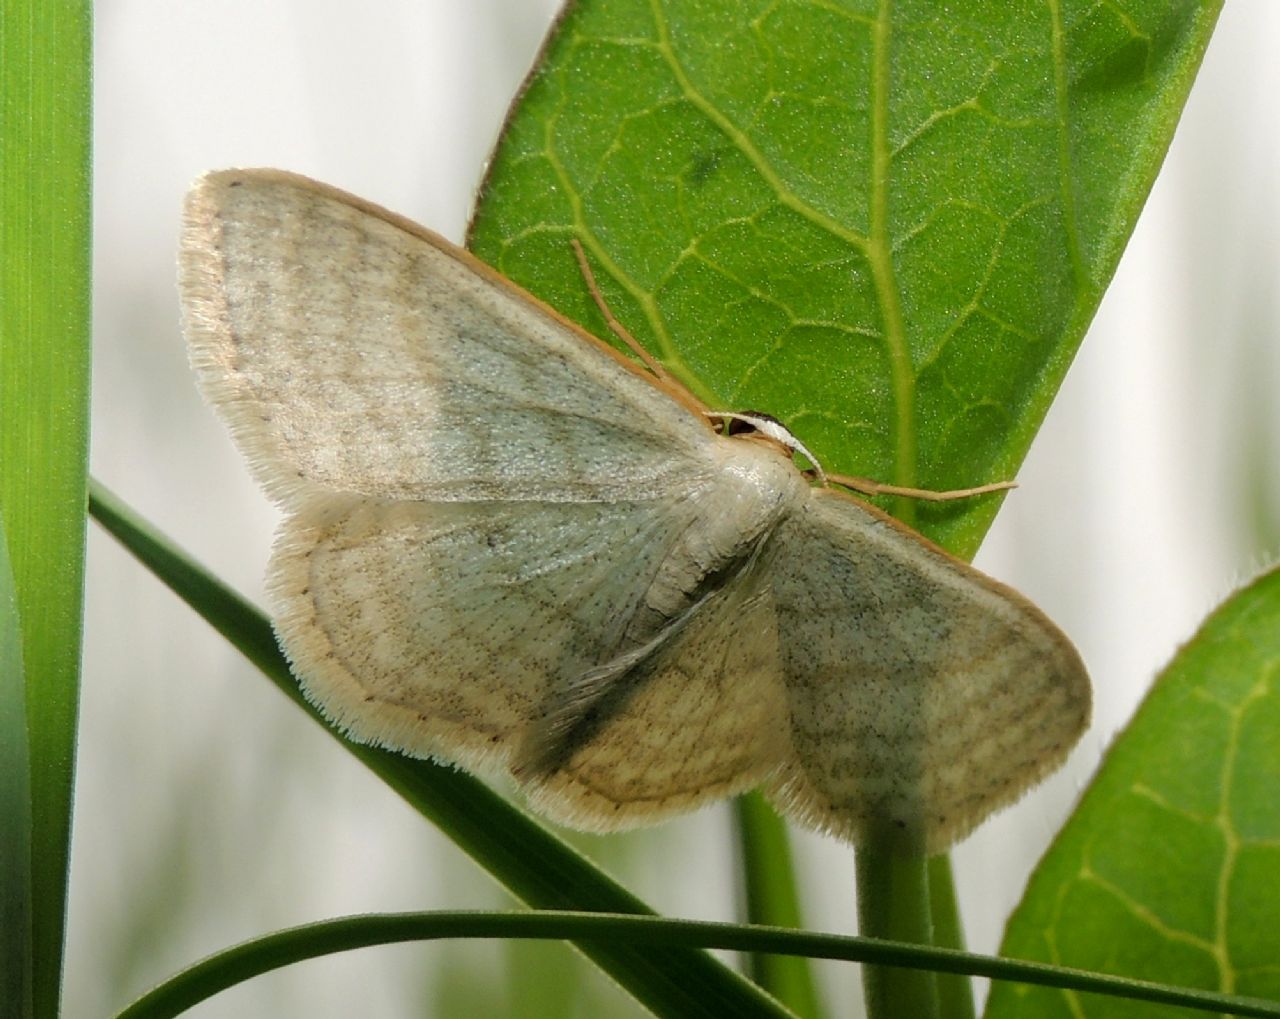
(955, 991)
(534, 864)
(769, 888)
(280, 948)
(906, 896)
(45, 51)
(893, 905)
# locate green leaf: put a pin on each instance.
(44, 379)
(888, 225)
(534, 864)
(1170, 867)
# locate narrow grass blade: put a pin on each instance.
(44, 365)
(281, 948)
(16, 954)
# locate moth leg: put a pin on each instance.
(618, 329)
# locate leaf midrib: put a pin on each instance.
(876, 246)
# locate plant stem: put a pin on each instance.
(955, 990)
(893, 903)
(769, 890)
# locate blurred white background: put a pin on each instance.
(209, 810)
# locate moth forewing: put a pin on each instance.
(352, 351)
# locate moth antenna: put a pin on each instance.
(868, 487)
(619, 330)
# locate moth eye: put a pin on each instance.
(749, 422)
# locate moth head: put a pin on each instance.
(757, 426)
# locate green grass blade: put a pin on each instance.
(282, 948)
(526, 857)
(1169, 869)
(16, 931)
(44, 365)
